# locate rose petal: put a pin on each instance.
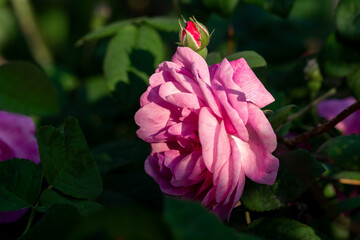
(152, 119)
(18, 132)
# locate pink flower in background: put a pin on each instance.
(17, 140)
(330, 108)
(207, 130)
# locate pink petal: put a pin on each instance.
(208, 95)
(262, 128)
(186, 57)
(151, 119)
(208, 132)
(9, 217)
(231, 113)
(330, 108)
(183, 100)
(18, 133)
(186, 167)
(246, 79)
(152, 169)
(235, 95)
(221, 152)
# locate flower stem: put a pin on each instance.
(26, 18)
(292, 142)
(31, 218)
(329, 93)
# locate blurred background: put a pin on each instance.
(99, 55)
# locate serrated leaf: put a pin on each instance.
(298, 170)
(282, 228)
(56, 224)
(344, 150)
(190, 220)
(127, 222)
(105, 31)
(280, 115)
(149, 40)
(117, 61)
(49, 198)
(347, 19)
(253, 59)
(26, 89)
(338, 59)
(67, 161)
(20, 182)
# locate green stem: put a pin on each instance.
(26, 18)
(31, 218)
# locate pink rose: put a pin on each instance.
(330, 108)
(207, 130)
(17, 140)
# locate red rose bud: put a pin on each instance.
(195, 36)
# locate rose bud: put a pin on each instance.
(195, 36)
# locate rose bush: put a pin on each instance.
(207, 130)
(17, 140)
(332, 107)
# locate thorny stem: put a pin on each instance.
(292, 142)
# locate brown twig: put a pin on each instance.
(294, 141)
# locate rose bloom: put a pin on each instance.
(17, 140)
(332, 107)
(206, 130)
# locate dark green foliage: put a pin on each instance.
(67, 161)
(298, 170)
(188, 220)
(20, 182)
(282, 228)
(24, 88)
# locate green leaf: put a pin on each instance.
(24, 88)
(20, 182)
(347, 19)
(106, 31)
(282, 228)
(56, 224)
(280, 116)
(347, 175)
(167, 24)
(67, 161)
(344, 150)
(213, 58)
(117, 154)
(353, 82)
(149, 40)
(348, 204)
(49, 198)
(253, 59)
(128, 222)
(190, 220)
(225, 6)
(280, 8)
(338, 59)
(117, 61)
(298, 170)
